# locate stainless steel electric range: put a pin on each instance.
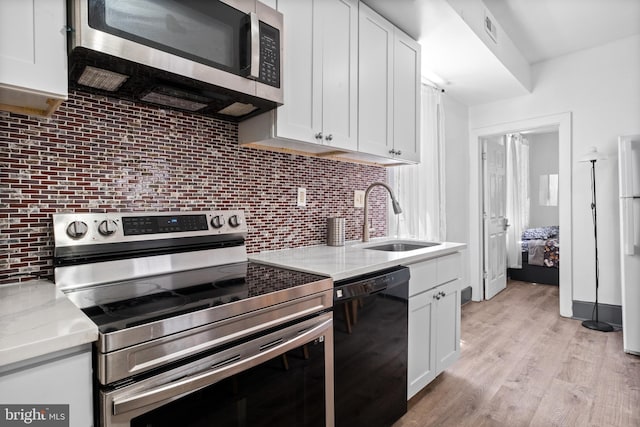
(190, 333)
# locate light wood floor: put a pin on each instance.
(524, 365)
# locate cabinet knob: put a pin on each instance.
(319, 135)
(398, 152)
(392, 151)
(329, 137)
(442, 294)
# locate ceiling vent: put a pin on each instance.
(490, 27)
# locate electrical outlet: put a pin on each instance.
(358, 199)
(302, 197)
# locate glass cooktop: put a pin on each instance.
(121, 305)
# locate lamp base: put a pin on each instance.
(597, 326)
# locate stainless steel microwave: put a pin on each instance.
(217, 57)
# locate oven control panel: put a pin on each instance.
(134, 225)
(73, 229)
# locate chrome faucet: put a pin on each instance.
(394, 203)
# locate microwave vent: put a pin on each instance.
(101, 79)
(176, 98)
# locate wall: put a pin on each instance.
(601, 89)
(543, 160)
(98, 154)
(456, 116)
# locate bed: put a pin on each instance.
(540, 256)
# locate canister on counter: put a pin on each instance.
(335, 231)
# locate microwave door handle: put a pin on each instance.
(254, 70)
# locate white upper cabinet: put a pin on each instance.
(33, 55)
(406, 97)
(389, 88)
(375, 83)
(320, 80)
(336, 29)
(299, 118)
(351, 87)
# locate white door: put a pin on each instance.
(495, 222)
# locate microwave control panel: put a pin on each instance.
(269, 55)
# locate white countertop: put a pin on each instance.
(342, 262)
(37, 319)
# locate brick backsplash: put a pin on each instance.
(99, 154)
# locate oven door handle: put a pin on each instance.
(217, 373)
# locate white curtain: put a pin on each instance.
(517, 195)
(420, 188)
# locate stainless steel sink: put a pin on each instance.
(402, 246)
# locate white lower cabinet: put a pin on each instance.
(434, 319)
(62, 378)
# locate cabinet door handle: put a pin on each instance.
(319, 135)
(398, 152)
(392, 151)
(329, 137)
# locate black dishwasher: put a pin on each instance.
(370, 348)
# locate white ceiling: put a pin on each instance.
(546, 29)
(456, 59)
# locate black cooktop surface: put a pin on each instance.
(121, 305)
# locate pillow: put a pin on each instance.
(541, 233)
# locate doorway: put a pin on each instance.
(533, 232)
(476, 227)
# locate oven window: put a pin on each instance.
(204, 31)
(287, 390)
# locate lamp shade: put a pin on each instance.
(591, 155)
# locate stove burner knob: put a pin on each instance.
(77, 229)
(107, 227)
(217, 221)
(234, 221)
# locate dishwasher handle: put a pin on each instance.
(370, 284)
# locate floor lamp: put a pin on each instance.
(593, 156)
